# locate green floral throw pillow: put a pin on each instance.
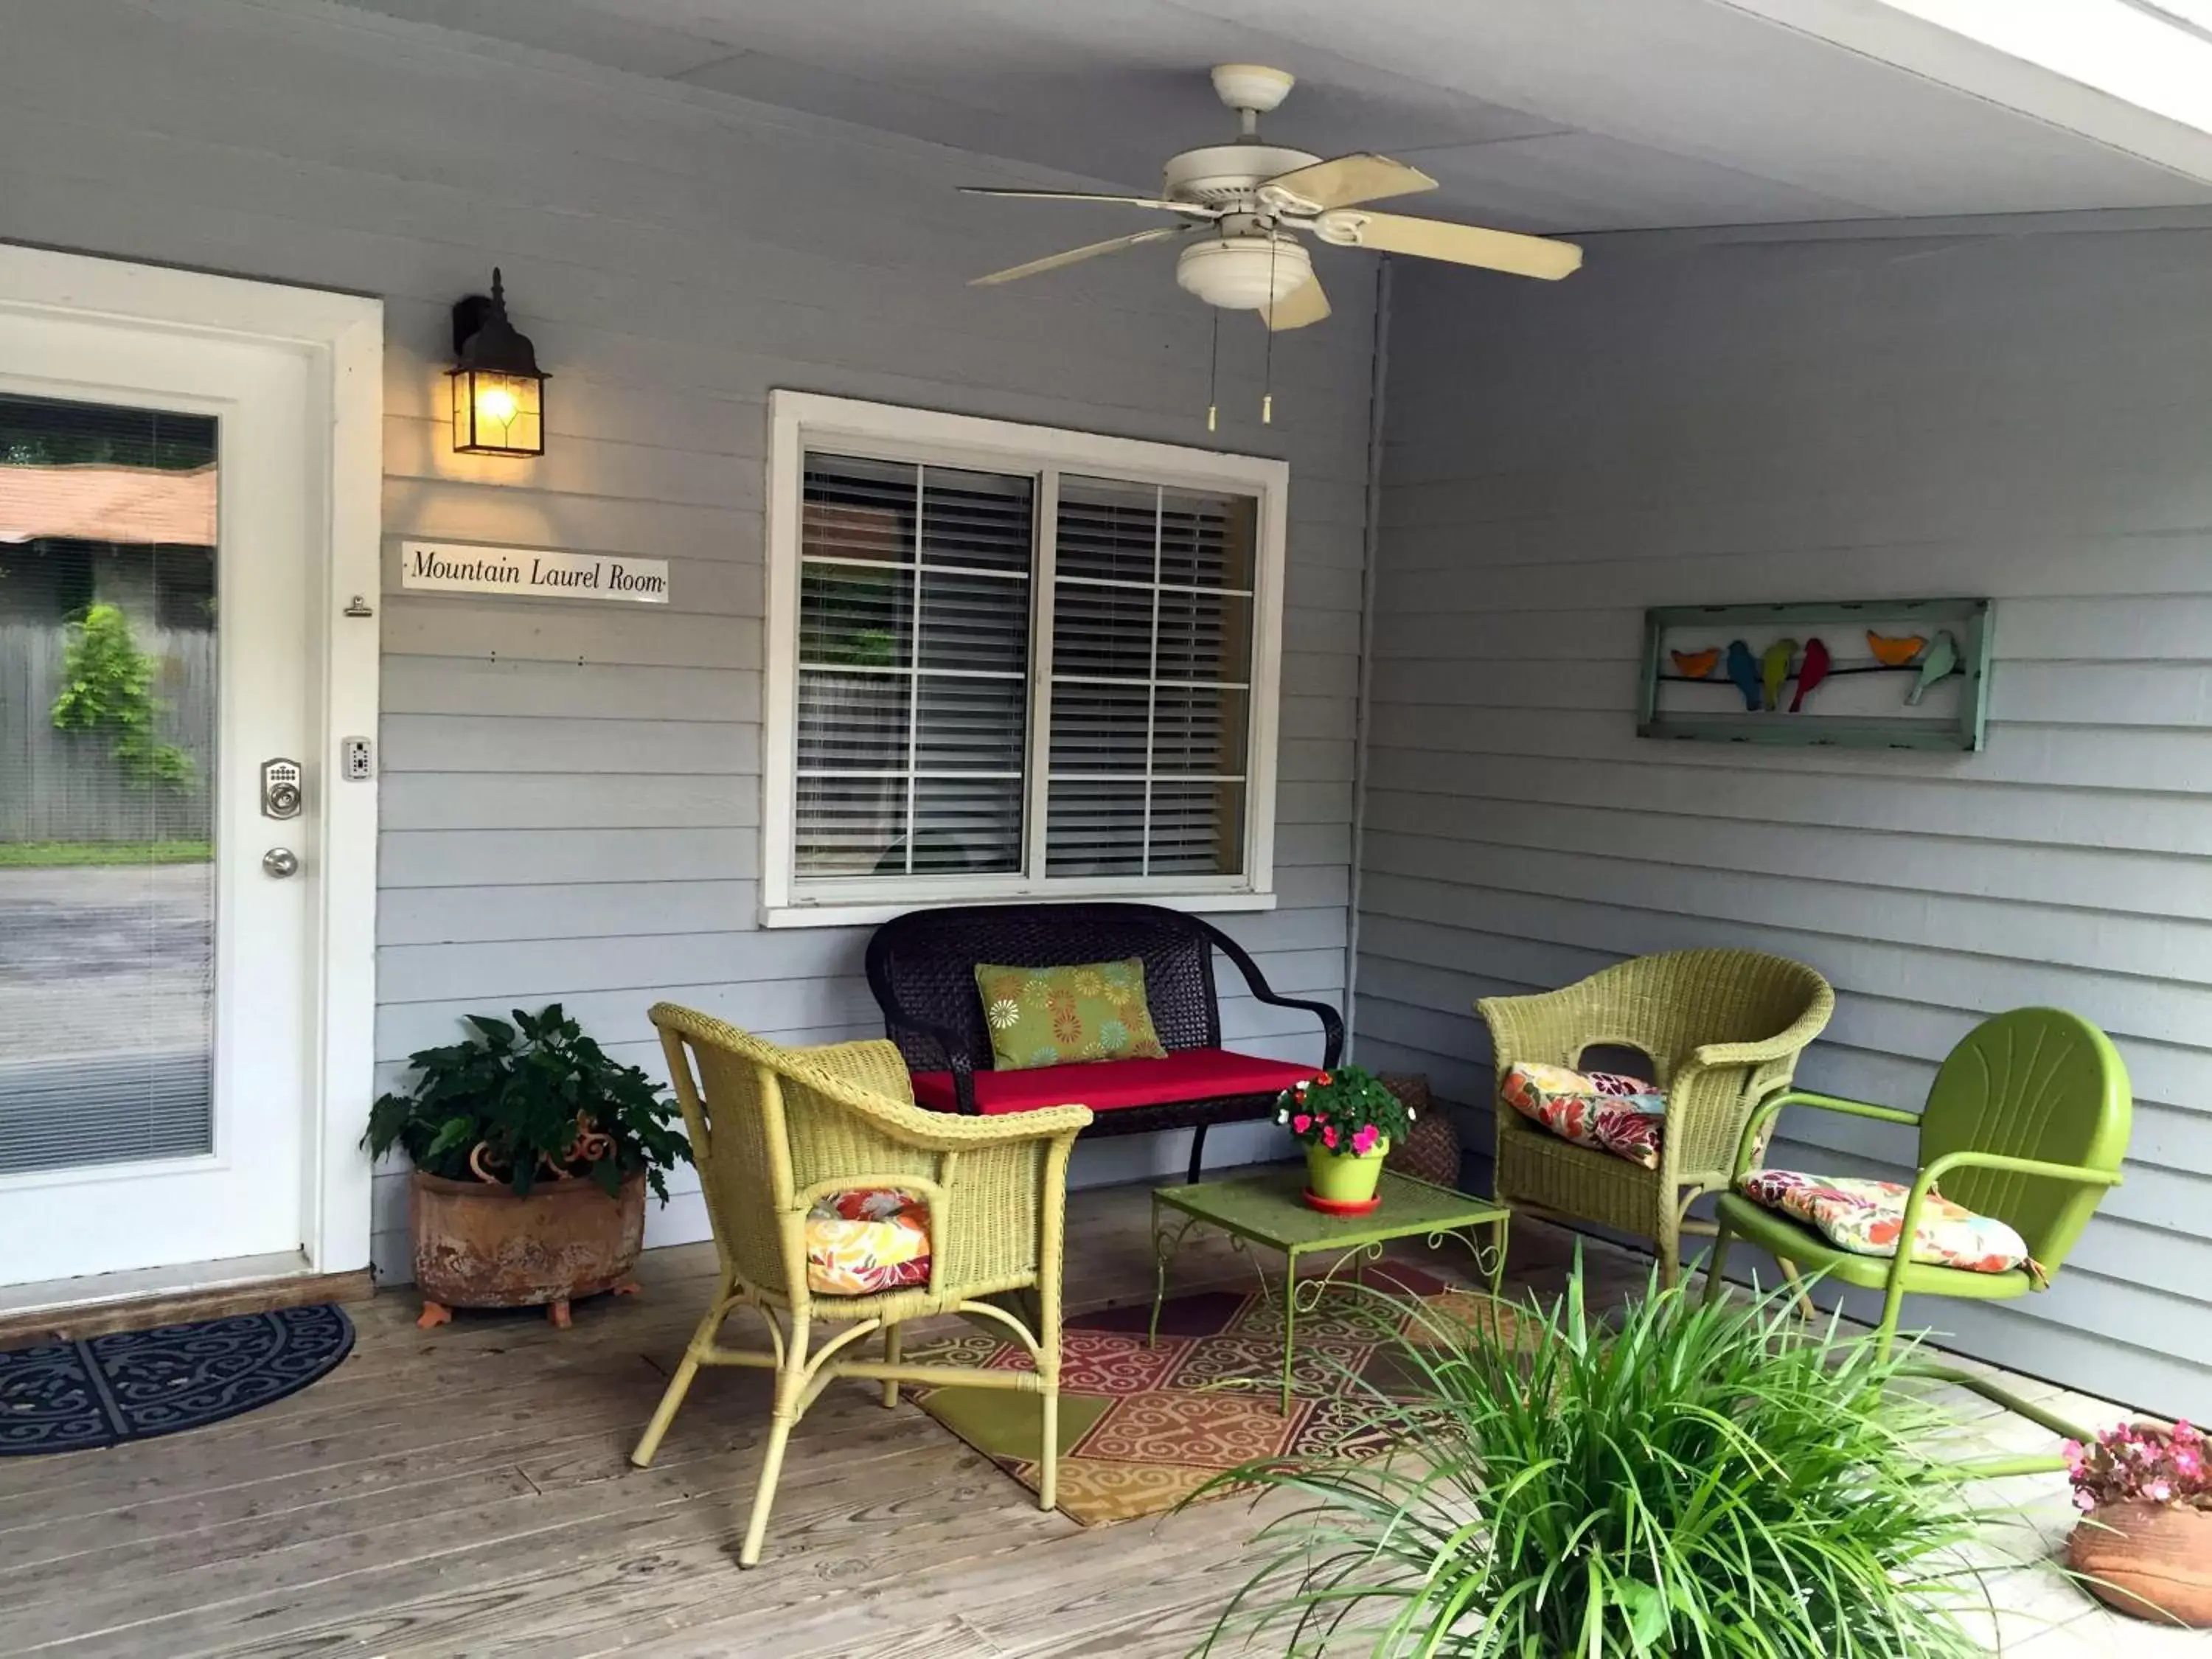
(1057, 1016)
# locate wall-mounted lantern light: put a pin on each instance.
(499, 393)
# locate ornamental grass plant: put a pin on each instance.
(1679, 1480)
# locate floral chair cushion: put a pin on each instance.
(1866, 1218)
(1059, 1016)
(869, 1240)
(1623, 1115)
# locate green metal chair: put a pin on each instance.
(2027, 1121)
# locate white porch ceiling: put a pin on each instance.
(1558, 115)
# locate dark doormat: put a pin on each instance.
(132, 1385)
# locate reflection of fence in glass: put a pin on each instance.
(68, 785)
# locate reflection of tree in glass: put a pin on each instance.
(108, 686)
(846, 627)
(46, 432)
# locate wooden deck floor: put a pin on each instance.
(466, 1492)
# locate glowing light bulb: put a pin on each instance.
(497, 405)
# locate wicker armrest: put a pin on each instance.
(1332, 1023)
(953, 1132)
(1545, 1026)
(869, 1079)
(1793, 1039)
(957, 1059)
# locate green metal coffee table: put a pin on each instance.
(1267, 1209)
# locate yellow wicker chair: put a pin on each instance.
(774, 1129)
(1724, 1029)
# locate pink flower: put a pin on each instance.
(2158, 1492)
(2072, 1451)
(2188, 1460)
(2084, 1501)
(2185, 1434)
(1364, 1142)
(1329, 1139)
(1301, 1123)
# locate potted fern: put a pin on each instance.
(1684, 1481)
(533, 1153)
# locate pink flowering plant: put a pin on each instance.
(2142, 1464)
(1347, 1110)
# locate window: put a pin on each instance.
(1008, 661)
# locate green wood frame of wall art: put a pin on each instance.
(1967, 620)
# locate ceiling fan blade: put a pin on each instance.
(1197, 208)
(1350, 179)
(1463, 245)
(1077, 255)
(1303, 305)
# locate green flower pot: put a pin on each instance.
(1345, 1178)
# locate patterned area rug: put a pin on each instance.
(1143, 1427)
(132, 1385)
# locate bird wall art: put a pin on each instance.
(1894, 654)
(1774, 670)
(1852, 673)
(1743, 669)
(1810, 673)
(1943, 658)
(1898, 674)
(1761, 676)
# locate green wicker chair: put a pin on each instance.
(2027, 1121)
(1722, 1028)
(773, 1130)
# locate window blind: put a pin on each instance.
(1151, 695)
(913, 695)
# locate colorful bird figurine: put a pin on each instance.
(1697, 665)
(1943, 658)
(1810, 672)
(1774, 669)
(1743, 669)
(1894, 653)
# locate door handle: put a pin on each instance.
(281, 862)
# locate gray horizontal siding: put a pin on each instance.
(571, 792)
(2023, 416)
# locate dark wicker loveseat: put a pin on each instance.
(921, 968)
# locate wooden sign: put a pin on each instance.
(1860, 674)
(529, 571)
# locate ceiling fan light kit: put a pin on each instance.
(1245, 273)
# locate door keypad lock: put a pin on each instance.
(281, 797)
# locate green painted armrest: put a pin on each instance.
(2027, 1166)
(1924, 1183)
(1764, 1114)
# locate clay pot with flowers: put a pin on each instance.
(2144, 1543)
(1345, 1119)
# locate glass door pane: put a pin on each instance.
(107, 734)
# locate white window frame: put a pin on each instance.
(800, 421)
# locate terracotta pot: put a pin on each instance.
(477, 1245)
(2151, 1560)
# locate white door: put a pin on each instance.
(161, 582)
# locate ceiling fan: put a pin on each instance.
(1254, 198)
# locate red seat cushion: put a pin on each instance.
(1104, 1085)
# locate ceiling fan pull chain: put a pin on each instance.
(1267, 372)
(1213, 374)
